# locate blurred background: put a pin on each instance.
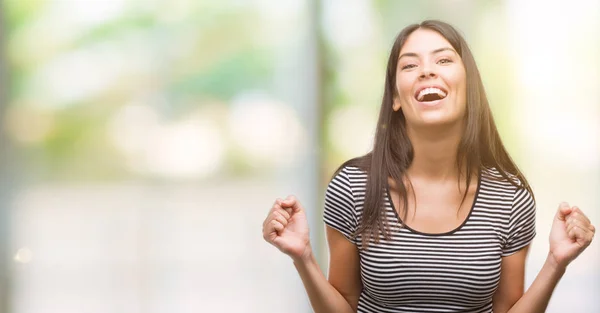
(144, 141)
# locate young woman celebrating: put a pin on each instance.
(437, 217)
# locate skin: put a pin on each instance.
(428, 59)
(434, 130)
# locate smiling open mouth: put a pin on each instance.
(430, 94)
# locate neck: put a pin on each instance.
(435, 152)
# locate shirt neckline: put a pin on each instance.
(475, 198)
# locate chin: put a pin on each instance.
(438, 120)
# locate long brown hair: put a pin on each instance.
(392, 153)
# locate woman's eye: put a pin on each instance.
(407, 66)
(444, 61)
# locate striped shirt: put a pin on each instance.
(457, 271)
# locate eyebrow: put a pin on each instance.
(412, 54)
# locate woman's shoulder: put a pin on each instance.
(355, 168)
(494, 176)
(352, 176)
(352, 170)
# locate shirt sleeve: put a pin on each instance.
(521, 226)
(339, 212)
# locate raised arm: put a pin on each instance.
(286, 228)
(572, 232)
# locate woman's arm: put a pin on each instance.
(286, 228)
(512, 281)
(509, 297)
(571, 233)
(538, 295)
(341, 292)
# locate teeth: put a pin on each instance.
(430, 90)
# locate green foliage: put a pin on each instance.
(246, 69)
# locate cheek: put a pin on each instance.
(461, 90)
(403, 87)
(460, 84)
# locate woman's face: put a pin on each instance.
(430, 80)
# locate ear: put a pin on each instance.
(396, 106)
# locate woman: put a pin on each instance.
(437, 217)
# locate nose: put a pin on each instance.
(427, 72)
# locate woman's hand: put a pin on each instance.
(286, 228)
(571, 233)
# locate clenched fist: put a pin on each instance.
(571, 233)
(286, 228)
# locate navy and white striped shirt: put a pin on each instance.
(457, 271)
